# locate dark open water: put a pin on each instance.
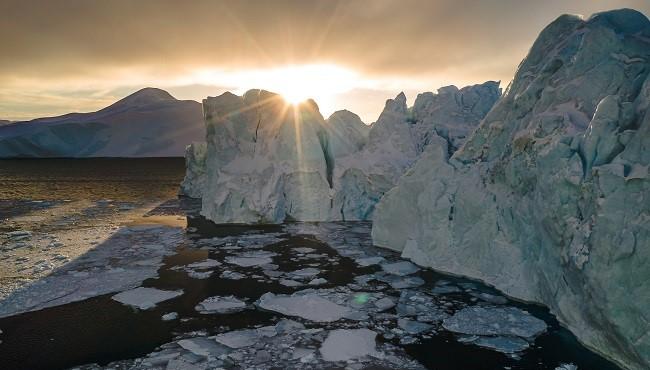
(100, 330)
(134, 179)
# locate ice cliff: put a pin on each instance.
(398, 138)
(194, 181)
(267, 161)
(549, 199)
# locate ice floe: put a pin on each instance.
(208, 263)
(308, 306)
(308, 272)
(239, 338)
(390, 303)
(290, 283)
(507, 345)
(317, 281)
(384, 304)
(130, 256)
(413, 327)
(401, 268)
(304, 249)
(251, 259)
(368, 261)
(232, 275)
(170, 316)
(219, 304)
(345, 345)
(145, 298)
(567, 367)
(199, 274)
(495, 321)
(203, 347)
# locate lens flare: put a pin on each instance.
(296, 83)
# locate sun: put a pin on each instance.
(298, 83)
(295, 92)
(294, 97)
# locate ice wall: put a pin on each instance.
(267, 161)
(194, 181)
(549, 199)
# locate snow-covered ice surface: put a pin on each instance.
(350, 305)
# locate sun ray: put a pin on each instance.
(296, 83)
(320, 40)
(301, 165)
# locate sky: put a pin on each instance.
(79, 56)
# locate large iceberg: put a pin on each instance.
(549, 199)
(398, 138)
(266, 161)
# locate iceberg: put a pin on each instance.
(399, 137)
(548, 199)
(266, 161)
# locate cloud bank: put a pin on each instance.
(78, 55)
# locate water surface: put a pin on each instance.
(102, 331)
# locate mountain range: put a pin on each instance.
(147, 123)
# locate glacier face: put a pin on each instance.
(194, 181)
(267, 161)
(399, 137)
(549, 199)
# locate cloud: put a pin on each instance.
(80, 45)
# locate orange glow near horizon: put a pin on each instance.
(296, 83)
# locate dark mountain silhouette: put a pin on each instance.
(147, 123)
